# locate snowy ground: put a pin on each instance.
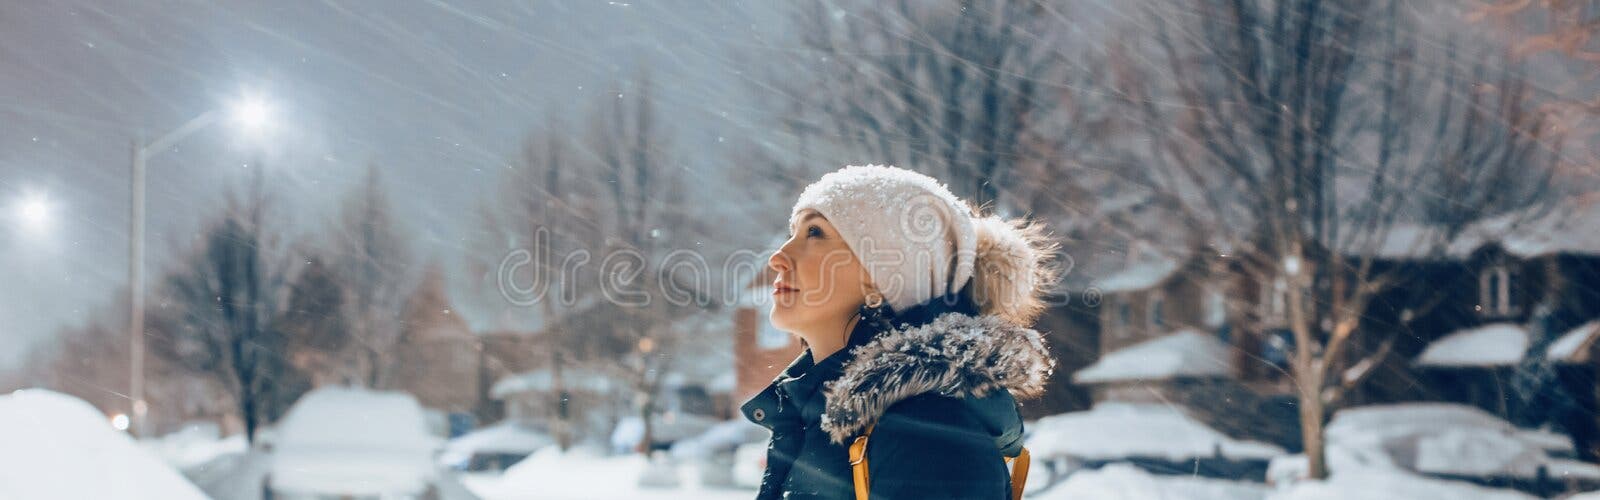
(552, 475)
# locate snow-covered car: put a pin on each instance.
(714, 450)
(1155, 436)
(494, 448)
(668, 428)
(57, 446)
(353, 443)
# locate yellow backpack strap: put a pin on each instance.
(1019, 473)
(858, 468)
(858, 463)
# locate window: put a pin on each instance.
(1275, 300)
(1216, 308)
(1156, 316)
(1494, 291)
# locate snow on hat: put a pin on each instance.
(918, 241)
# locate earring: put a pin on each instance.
(873, 310)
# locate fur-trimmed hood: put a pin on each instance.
(971, 358)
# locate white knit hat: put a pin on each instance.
(915, 238)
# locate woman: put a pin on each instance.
(914, 312)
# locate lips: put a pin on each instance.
(779, 288)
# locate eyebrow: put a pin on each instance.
(803, 220)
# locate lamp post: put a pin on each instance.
(252, 114)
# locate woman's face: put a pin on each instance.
(820, 282)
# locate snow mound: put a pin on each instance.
(196, 444)
(1495, 344)
(585, 474)
(1121, 430)
(504, 437)
(1126, 482)
(57, 446)
(1388, 484)
(1185, 353)
(1437, 438)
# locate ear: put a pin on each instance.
(1012, 268)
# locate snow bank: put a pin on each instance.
(1388, 484)
(1495, 344)
(550, 474)
(196, 444)
(1436, 438)
(1126, 482)
(1121, 430)
(1569, 348)
(1185, 353)
(57, 446)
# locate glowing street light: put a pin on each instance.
(251, 114)
(33, 211)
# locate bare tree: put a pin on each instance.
(967, 91)
(373, 262)
(224, 296)
(649, 220)
(1309, 135)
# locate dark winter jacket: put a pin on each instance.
(936, 385)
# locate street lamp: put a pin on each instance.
(252, 114)
(33, 212)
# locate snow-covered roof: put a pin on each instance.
(1397, 240)
(543, 381)
(1572, 346)
(1149, 272)
(1114, 430)
(1564, 228)
(58, 446)
(1495, 344)
(1187, 353)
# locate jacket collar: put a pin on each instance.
(956, 354)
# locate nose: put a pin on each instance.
(780, 260)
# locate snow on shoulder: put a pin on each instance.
(1122, 430)
(1495, 344)
(1187, 353)
(57, 446)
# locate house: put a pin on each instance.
(1168, 334)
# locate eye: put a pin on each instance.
(813, 232)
